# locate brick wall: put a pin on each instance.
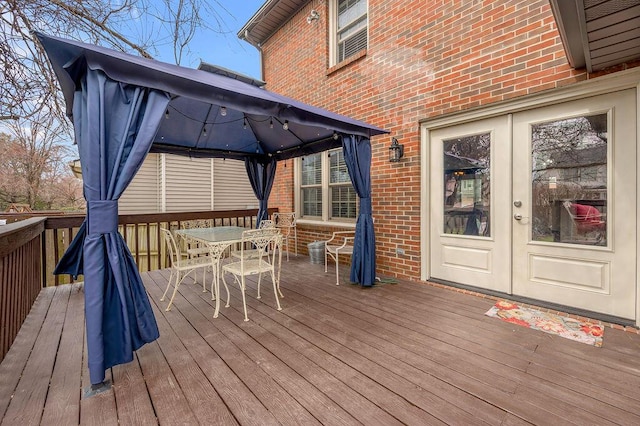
(425, 59)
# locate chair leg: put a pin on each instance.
(275, 290)
(287, 243)
(175, 289)
(244, 301)
(337, 269)
(259, 279)
(173, 271)
(278, 281)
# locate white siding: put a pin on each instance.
(188, 186)
(143, 194)
(188, 183)
(232, 186)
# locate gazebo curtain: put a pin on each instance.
(261, 176)
(357, 156)
(114, 127)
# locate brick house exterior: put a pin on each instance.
(425, 60)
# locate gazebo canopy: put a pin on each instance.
(209, 115)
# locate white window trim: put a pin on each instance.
(297, 197)
(333, 31)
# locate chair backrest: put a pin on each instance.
(284, 220)
(197, 223)
(174, 253)
(259, 240)
(266, 223)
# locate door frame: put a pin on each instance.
(628, 79)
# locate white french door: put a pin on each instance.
(574, 204)
(470, 214)
(540, 204)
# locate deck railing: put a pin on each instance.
(20, 275)
(31, 248)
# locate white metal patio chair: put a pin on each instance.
(286, 222)
(253, 252)
(340, 243)
(193, 248)
(180, 267)
(258, 263)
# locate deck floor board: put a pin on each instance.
(14, 362)
(63, 403)
(29, 397)
(405, 353)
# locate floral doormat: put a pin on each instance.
(569, 328)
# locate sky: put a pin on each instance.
(225, 50)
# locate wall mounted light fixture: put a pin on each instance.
(313, 16)
(396, 151)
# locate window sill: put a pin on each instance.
(351, 59)
(326, 224)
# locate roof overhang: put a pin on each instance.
(268, 19)
(598, 34)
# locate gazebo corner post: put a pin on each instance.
(261, 173)
(118, 314)
(357, 155)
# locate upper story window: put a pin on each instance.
(350, 28)
(325, 189)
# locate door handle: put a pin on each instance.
(517, 216)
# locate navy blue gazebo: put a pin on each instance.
(122, 108)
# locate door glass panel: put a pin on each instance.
(467, 186)
(569, 180)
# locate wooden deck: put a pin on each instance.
(403, 353)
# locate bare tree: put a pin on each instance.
(34, 162)
(28, 83)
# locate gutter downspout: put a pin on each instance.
(245, 37)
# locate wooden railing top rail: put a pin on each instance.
(71, 221)
(19, 233)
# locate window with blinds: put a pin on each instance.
(311, 185)
(351, 28)
(342, 195)
(326, 191)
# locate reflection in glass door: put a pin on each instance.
(569, 180)
(467, 185)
